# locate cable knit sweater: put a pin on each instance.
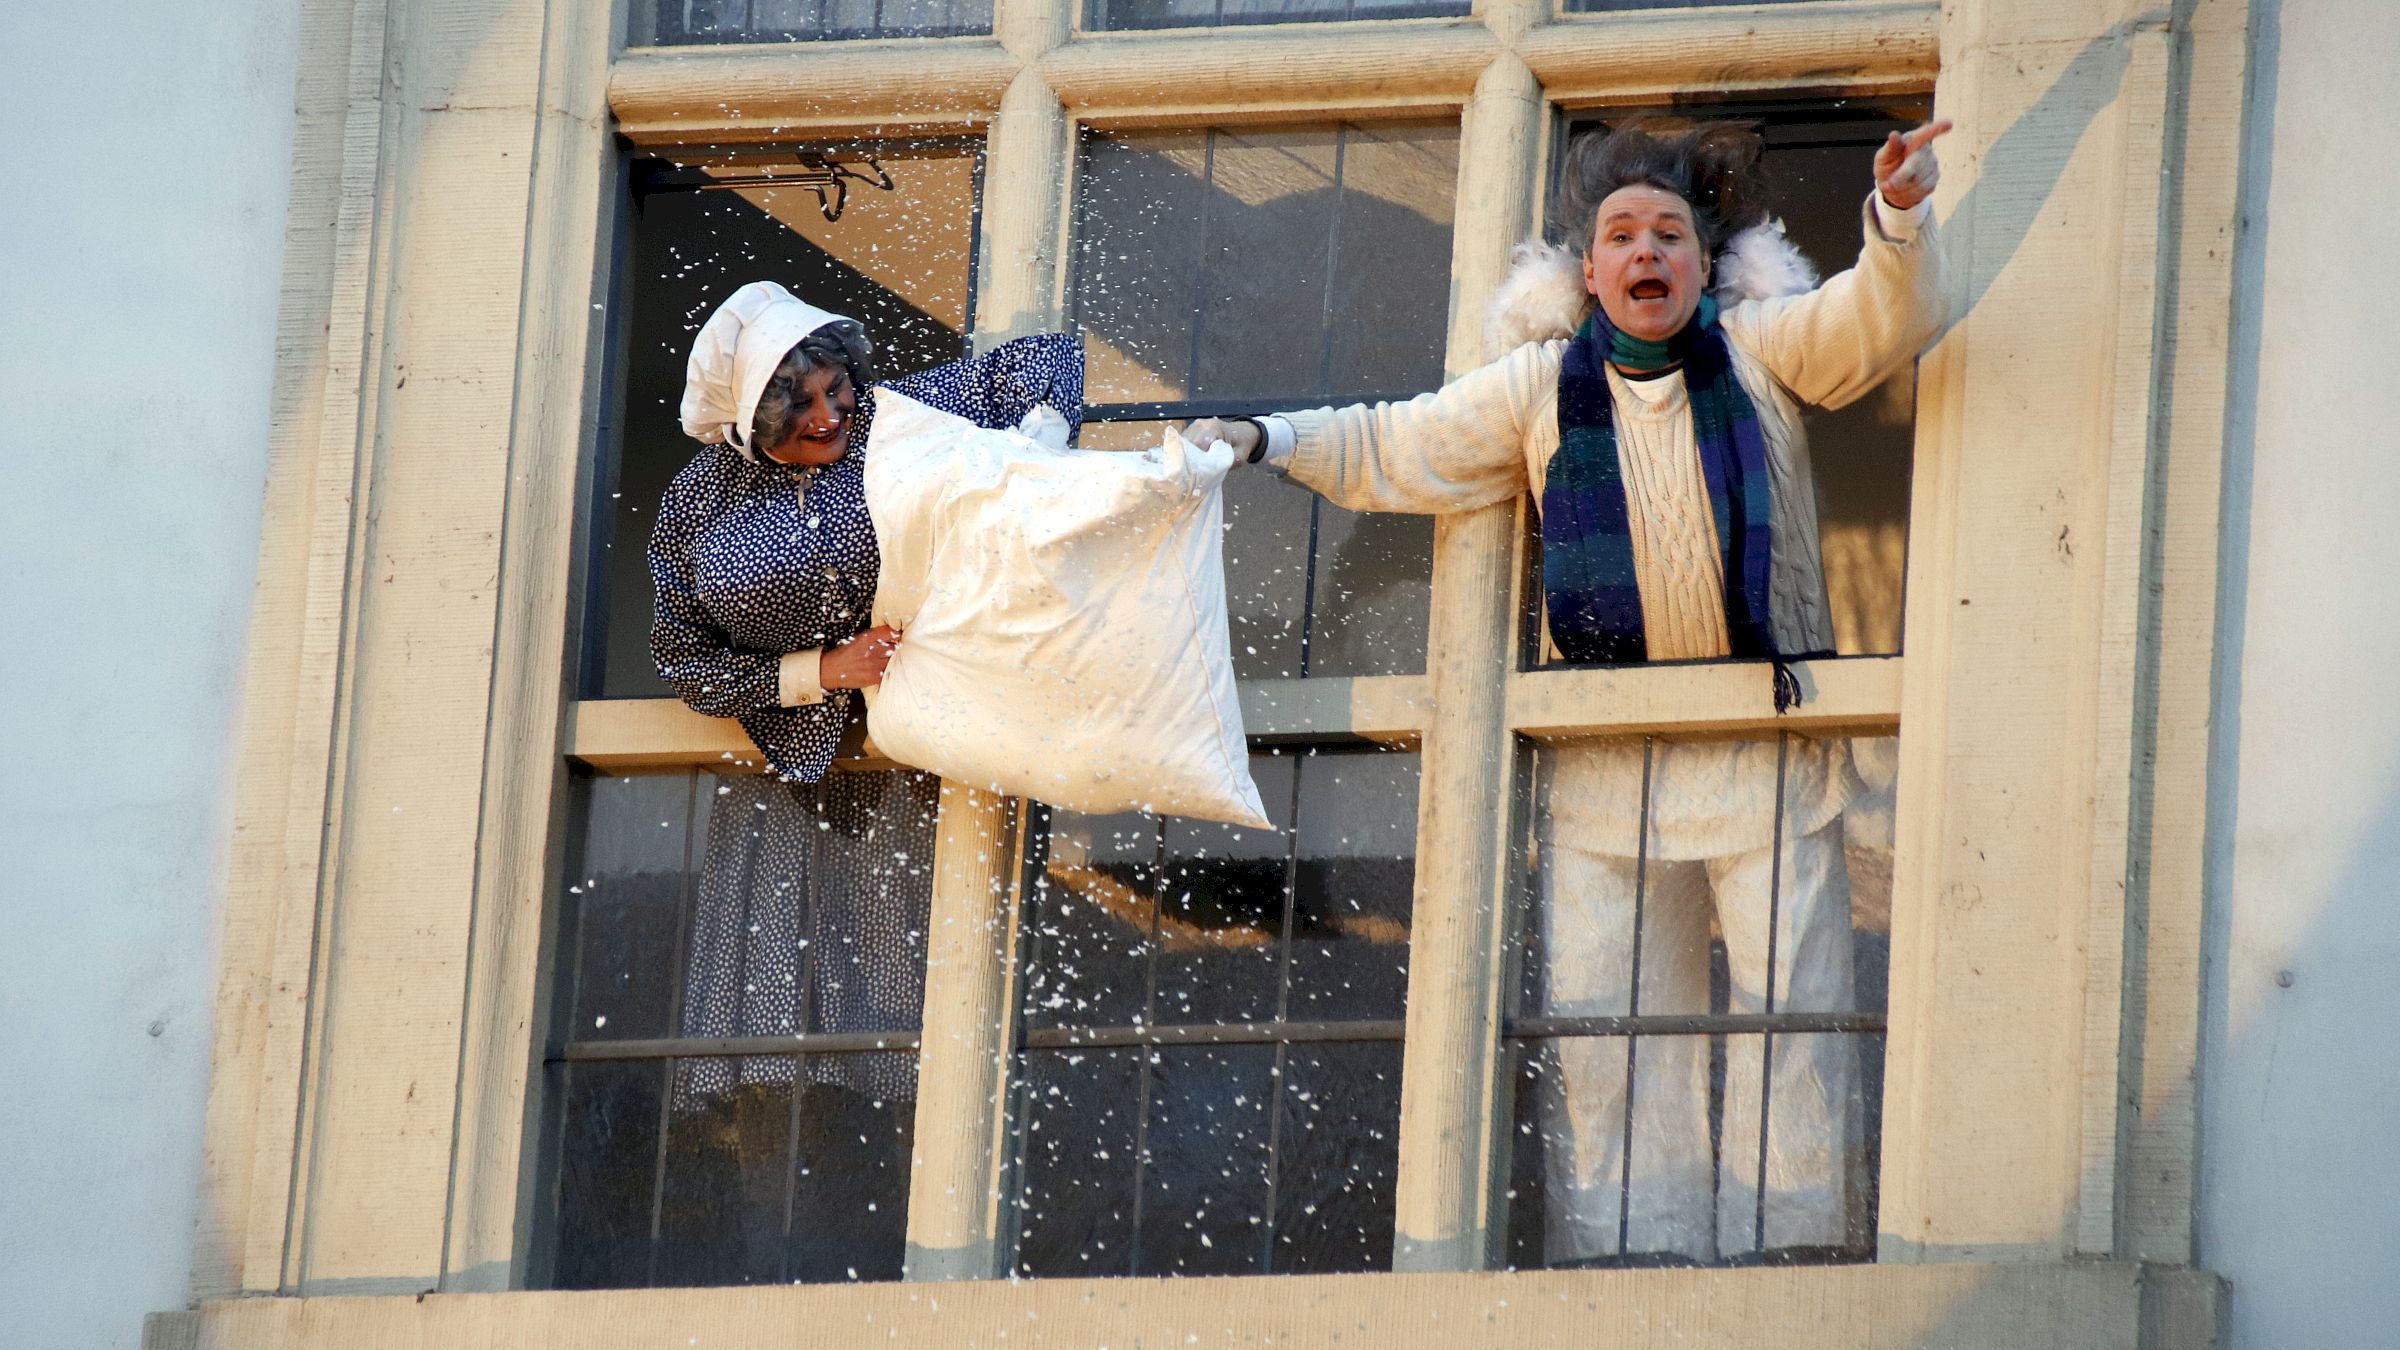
(1490, 434)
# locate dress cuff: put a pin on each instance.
(1280, 441)
(1897, 225)
(799, 678)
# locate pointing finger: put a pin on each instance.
(1924, 135)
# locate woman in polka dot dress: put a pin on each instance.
(763, 555)
(811, 907)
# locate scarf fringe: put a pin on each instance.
(1787, 687)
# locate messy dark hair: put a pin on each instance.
(1714, 166)
(842, 342)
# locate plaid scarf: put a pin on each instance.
(1587, 541)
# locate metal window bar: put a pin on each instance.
(806, 1017)
(734, 1047)
(1633, 996)
(1149, 1068)
(686, 905)
(1766, 1040)
(1283, 983)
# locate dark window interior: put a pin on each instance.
(741, 974)
(1210, 1076)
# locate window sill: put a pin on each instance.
(1963, 1307)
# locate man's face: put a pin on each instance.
(825, 402)
(1646, 266)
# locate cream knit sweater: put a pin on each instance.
(1490, 434)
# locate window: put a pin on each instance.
(1240, 271)
(1210, 1080)
(898, 260)
(667, 22)
(1697, 1032)
(1125, 14)
(1819, 156)
(735, 1047)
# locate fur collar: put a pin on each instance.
(1543, 297)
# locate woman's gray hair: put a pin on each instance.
(843, 343)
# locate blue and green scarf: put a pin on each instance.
(1587, 540)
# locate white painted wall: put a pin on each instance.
(2300, 1201)
(147, 146)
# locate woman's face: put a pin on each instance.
(821, 431)
(1646, 267)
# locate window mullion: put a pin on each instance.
(1451, 1079)
(965, 1066)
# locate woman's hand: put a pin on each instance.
(859, 663)
(1906, 170)
(1242, 436)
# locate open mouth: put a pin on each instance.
(1648, 289)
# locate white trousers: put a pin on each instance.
(1675, 1194)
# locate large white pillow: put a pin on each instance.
(1063, 617)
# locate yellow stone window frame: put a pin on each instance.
(409, 724)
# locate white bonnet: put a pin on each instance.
(736, 354)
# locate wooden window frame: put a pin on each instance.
(396, 836)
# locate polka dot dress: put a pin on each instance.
(811, 917)
(752, 559)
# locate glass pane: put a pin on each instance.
(1249, 269)
(1385, 326)
(1338, 1159)
(1728, 890)
(1818, 158)
(669, 22)
(1204, 1185)
(857, 1123)
(811, 906)
(1267, 565)
(607, 1172)
(1222, 911)
(1080, 1117)
(897, 261)
(1140, 923)
(625, 903)
(1371, 595)
(1129, 14)
(1265, 268)
(728, 1172)
(1355, 885)
(1607, 6)
(876, 833)
(1094, 915)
